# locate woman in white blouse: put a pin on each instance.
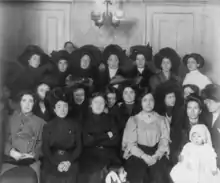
(146, 144)
(194, 62)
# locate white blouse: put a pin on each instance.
(138, 131)
(196, 78)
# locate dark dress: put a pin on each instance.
(46, 115)
(99, 149)
(61, 142)
(146, 75)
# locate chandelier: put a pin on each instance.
(106, 14)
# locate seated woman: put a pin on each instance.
(61, 143)
(194, 62)
(168, 61)
(169, 103)
(146, 144)
(23, 138)
(100, 140)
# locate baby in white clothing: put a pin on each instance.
(197, 162)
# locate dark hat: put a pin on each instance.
(48, 80)
(211, 91)
(199, 59)
(170, 54)
(32, 50)
(116, 50)
(168, 87)
(94, 53)
(141, 49)
(60, 55)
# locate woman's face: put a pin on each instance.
(193, 110)
(98, 105)
(147, 102)
(42, 89)
(61, 109)
(111, 99)
(128, 95)
(26, 103)
(170, 99)
(140, 61)
(192, 64)
(69, 48)
(166, 64)
(197, 139)
(187, 91)
(113, 62)
(34, 61)
(85, 61)
(79, 96)
(62, 65)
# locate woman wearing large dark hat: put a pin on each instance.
(169, 103)
(168, 61)
(61, 143)
(116, 63)
(61, 69)
(36, 64)
(141, 55)
(194, 62)
(85, 63)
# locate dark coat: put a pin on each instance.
(61, 135)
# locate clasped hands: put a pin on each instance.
(149, 160)
(64, 166)
(19, 156)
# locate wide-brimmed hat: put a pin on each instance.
(60, 55)
(211, 91)
(170, 54)
(145, 50)
(199, 59)
(32, 50)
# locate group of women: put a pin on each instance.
(75, 114)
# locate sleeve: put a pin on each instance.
(186, 150)
(185, 80)
(38, 148)
(163, 146)
(46, 146)
(78, 148)
(129, 141)
(8, 137)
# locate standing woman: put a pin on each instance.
(100, 141)
(145, 144)
(23, 137)
(193, 115)
(168, 61)
(194, 62)
(61, 144)
(41, 107)
(141, 55)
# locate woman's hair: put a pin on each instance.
(25, 92)
(97, 94)
(193, 87)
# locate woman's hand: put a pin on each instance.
(64, 166)
(27, 155)
(149, 160)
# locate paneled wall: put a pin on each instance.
(185, 25)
